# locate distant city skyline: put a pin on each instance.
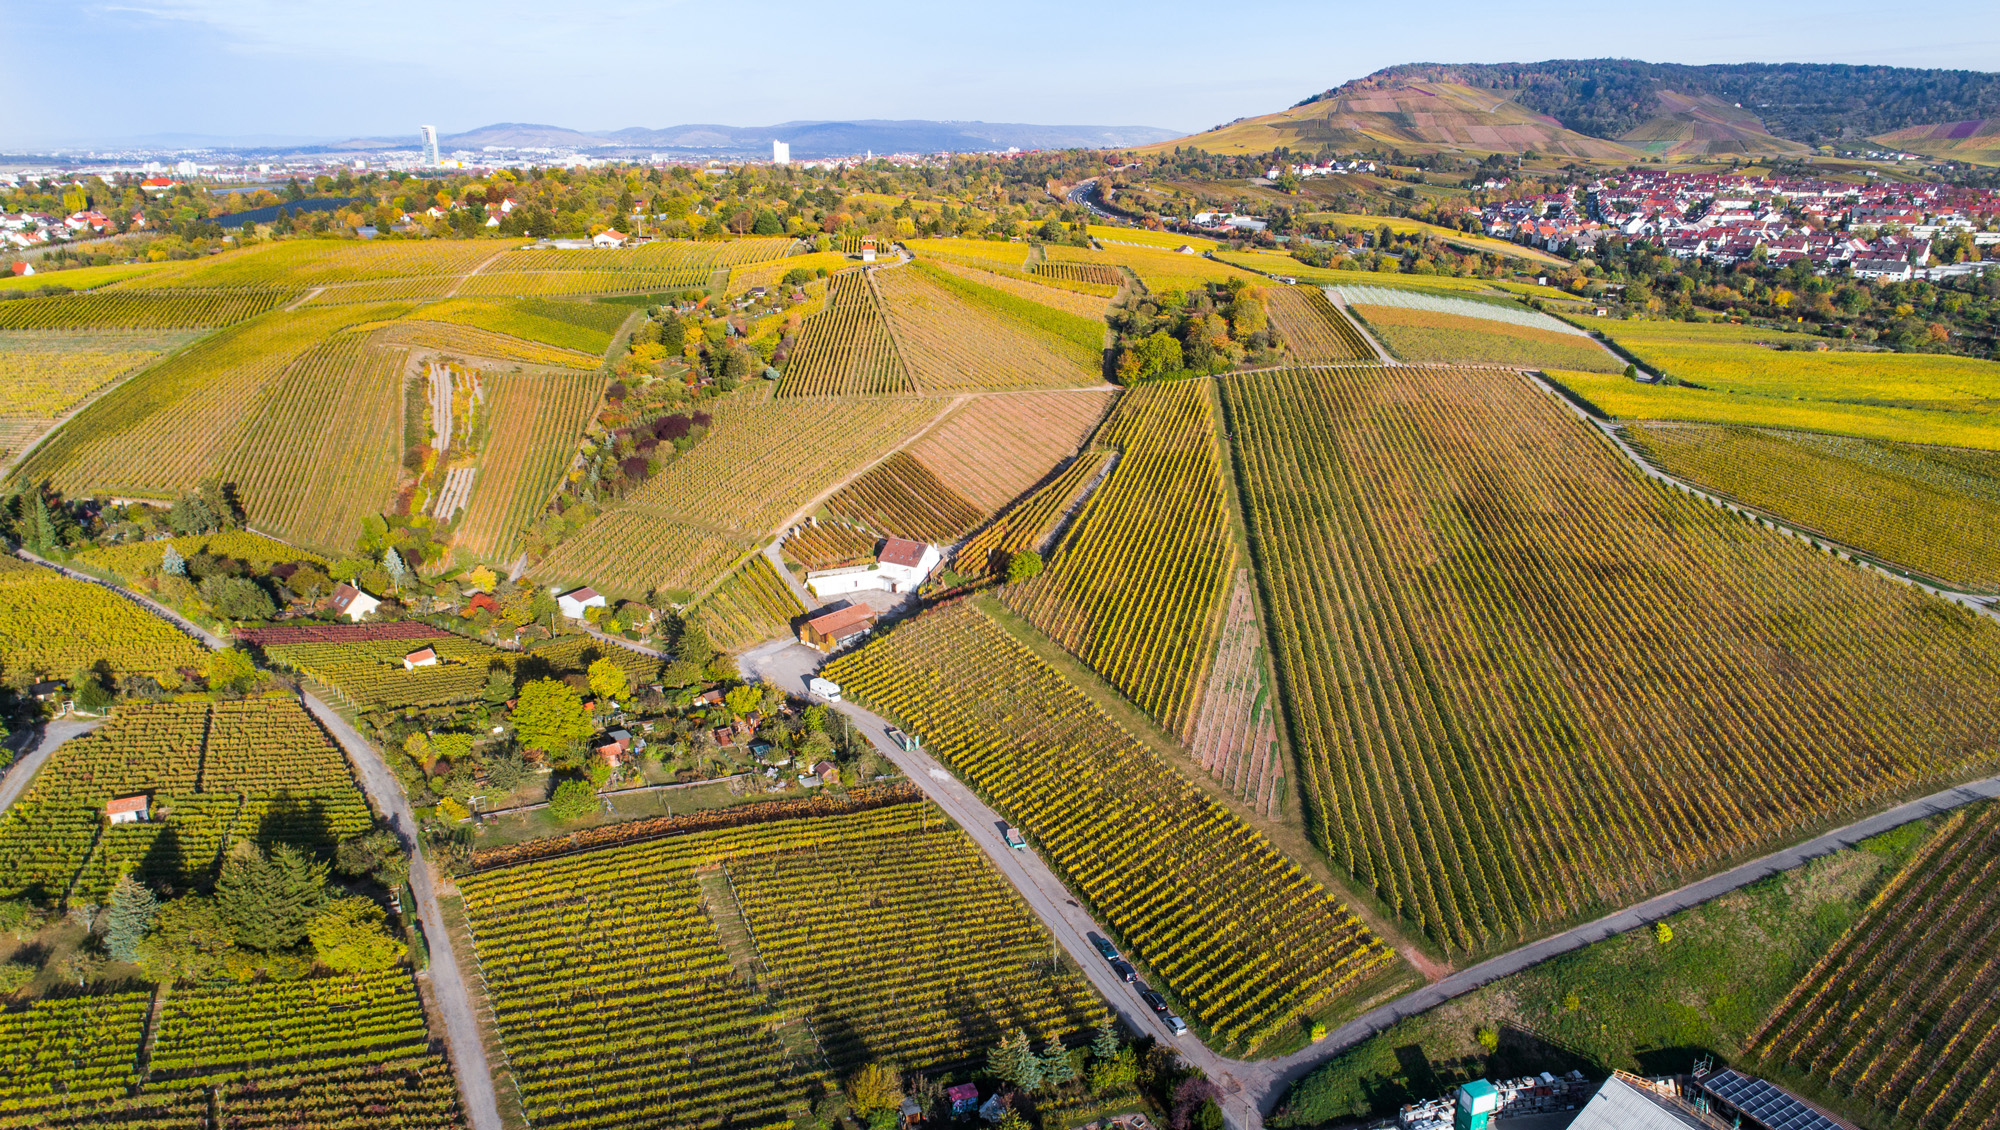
(98, 71)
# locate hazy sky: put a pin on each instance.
(84, 71)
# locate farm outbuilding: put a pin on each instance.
(422, 657)
(833, 630)
(576, 602)
(129, 809)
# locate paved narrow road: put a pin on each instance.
(24, 768)
(454, 1003)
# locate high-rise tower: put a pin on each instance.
(430, 145)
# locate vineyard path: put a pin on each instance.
(1340, 305)
(468, 1053)
(454, 1004)
(485, 263)
(1252, 1088)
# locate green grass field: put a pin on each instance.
(1628, 1002)
(582, 326)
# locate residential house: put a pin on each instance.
(129, 809)
(827, 771)
(615, 747)
(352, 603)
(609, 237)
(23, 269)
(576, 602)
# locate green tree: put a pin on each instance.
(1104, 1045)
(499, 686)
(92, 696)
(269, 899)
(133, 909)
(1057, 1067)
(1024, 565)
(743, 701)
(549, 716)
(237, 598)
(378, 853)
(1014, 1061)
(190, 941)
(350, 935)
(1663, 933)
(608, 679)
(172, 564)
(230, 667)
(573, 800)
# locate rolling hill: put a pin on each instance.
(1414, 117)
(1622, 109)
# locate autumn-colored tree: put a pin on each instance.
(877, 1086)
(608, 679)
(550, 716)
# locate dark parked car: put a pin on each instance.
(1124, 970)
(1154, 1001)
(1103, 947)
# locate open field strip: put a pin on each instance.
(954, 338)
(1616, 397)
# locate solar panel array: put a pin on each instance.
(1769, 1106)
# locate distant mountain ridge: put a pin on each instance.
(807, 138)
(1626, 109)
(1812, 103)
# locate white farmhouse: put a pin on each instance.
(901, 566)
(574, 603)
(352, 603)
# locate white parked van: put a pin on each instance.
(823, 688)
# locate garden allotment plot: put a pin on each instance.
(1527, 683)
(728, 975)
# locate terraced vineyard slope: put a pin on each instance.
(760, 462)
(216, 772)
(1136, 588)
(1527, 683)
(1313, 331)
(846, 348)
(955, 339)
(536, 422)
(1204, 901)
(52, 626)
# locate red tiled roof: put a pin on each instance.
(840, 619)
(126, 804)
(902, 551)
